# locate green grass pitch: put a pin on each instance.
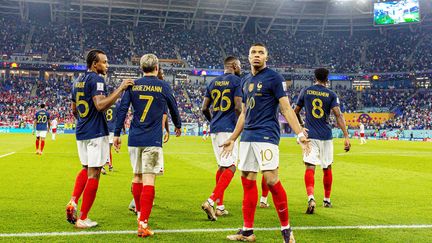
(380, 183)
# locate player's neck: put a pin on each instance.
(228, 71)
(255, 71)
(151, 74)
(322, 84)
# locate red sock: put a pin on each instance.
(281, 202)
(136, 192)
(42, 145)
(221, 186)
(89, 196)
(110, 161)
(309, 181)
(37, 143)
(250, 199)
(264, 187)
(218, 174)
(80, 183)
(147, 197)
(327, 181)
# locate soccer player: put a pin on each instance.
(264, 193)
(362, 134)
(53, 128)
(263, 96)
(205, 132)
(111, 115)
(165, 128)
(225, 96)
(318, 102)
(149, 97)
(42, 125)
(89, 101)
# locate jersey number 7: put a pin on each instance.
(147, 107)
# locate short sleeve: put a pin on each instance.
(278, 90)
(300, 99)
(98, 86)
(334, 101)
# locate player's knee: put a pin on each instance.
(328, 168)
(309, 166)
(137, 178)
(232, 168)
(272, 181)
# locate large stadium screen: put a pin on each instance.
(390, 12)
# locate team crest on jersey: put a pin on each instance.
(259, 86)
(251, 87)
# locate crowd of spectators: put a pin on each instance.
(20, 98)
(391, 51)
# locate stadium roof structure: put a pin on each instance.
(262, 16)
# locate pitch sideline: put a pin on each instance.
(122, 232)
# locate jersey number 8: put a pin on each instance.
(317, 106)
(216, 95)
(109, 114)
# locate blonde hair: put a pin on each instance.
(149, 62)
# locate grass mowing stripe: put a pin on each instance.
(119, 232)
(4, 155)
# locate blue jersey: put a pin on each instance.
(318, 102)
(42, 118)
(91, 123)
(149, 96)
(261, 94)
(111, 115)
(221, 91)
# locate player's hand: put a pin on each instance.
(126, 83)
(305, 145)
(166, 137)
(227, 148)
(177, 131)
(305, 131)
(347, 145)
(117, 144)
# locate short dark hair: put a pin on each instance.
(259, 44)
(42, 105)
(229, 60)
(92, 56)
(321, 74)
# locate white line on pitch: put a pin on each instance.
(122, 232)
(4, 155)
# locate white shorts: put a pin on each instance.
(147, 160)
(217, 140)
(111, 137)
(41, 133)
(93, 152)
(255, 156)
(321, 153)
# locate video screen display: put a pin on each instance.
(390, 12)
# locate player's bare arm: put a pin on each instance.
(229, 144)
(102, 102)
(291, 117)
(74, 110)
(342, 125)
(166, 127)
(297, 110)
(205, 109)
(238, 105)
